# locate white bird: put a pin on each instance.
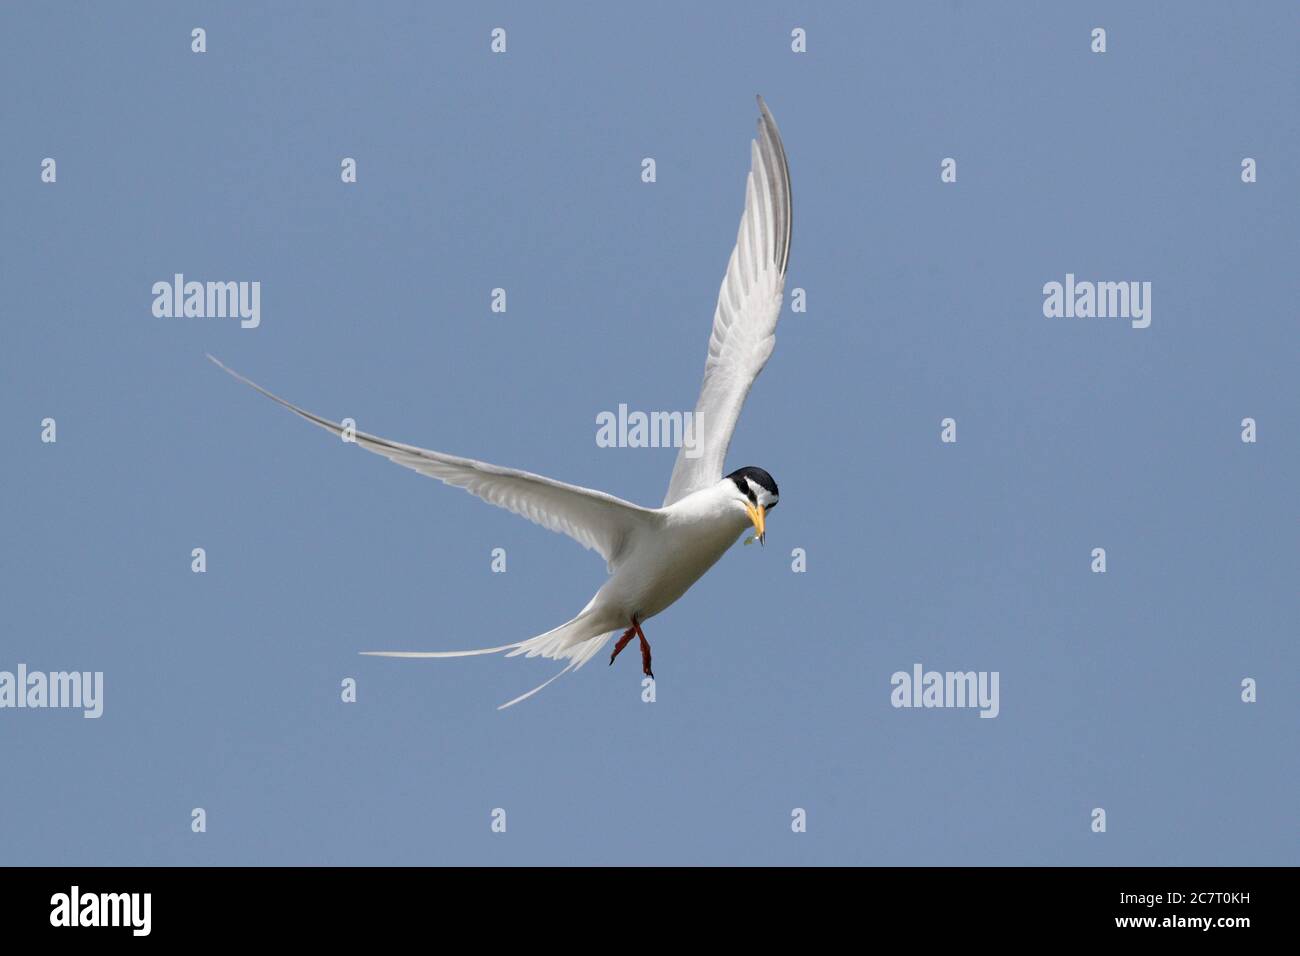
(653, 554)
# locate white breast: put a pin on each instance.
(663, 563)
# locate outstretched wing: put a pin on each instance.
(592, 518)
(749, 303)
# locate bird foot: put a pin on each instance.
(645, 650)
(622, 643)
(645, 647)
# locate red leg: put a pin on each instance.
(645, 650)
(622, 643)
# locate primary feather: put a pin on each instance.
(749, 304)
(592, 518)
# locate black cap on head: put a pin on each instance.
(758, 476)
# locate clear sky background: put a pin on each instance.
(1118, 690)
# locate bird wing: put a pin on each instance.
(592, 518)
(749, 303)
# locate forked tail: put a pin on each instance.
(578, 640)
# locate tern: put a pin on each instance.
(653, 555)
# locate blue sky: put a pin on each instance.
(475, 171)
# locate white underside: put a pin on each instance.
(662, 558)
(664, 561)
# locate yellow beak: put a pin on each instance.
(758, 515)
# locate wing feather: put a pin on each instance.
(749, 304)
(592, 518)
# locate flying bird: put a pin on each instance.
(653, 555)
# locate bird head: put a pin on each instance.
(754, 491)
